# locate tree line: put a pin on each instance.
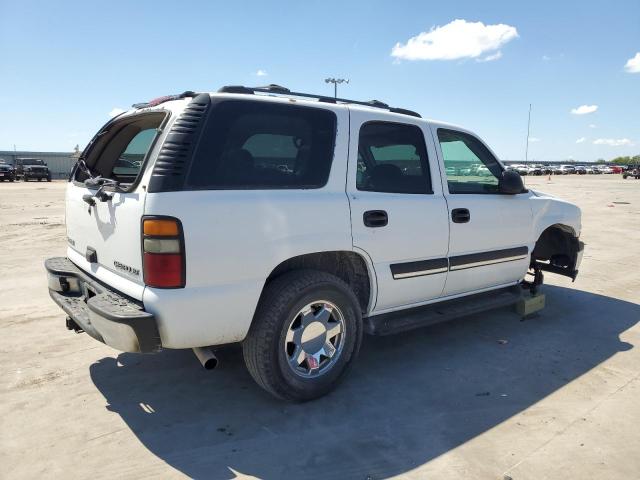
(635, 160)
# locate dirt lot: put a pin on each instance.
(486, 397)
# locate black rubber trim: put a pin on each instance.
(494, 255)
(420, 266)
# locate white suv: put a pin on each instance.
(293, 223)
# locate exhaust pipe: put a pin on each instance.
(207, 358)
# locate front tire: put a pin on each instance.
(305, 334)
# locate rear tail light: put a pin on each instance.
(163, 252)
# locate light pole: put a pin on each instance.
(526, 151)
(335, 82)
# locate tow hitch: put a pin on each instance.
(71, 325)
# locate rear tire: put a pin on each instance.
(297, 317)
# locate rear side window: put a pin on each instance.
(392, 158)
(260, 145)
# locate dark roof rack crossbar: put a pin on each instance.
(279, 90)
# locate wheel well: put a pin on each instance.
(558, 244)
(348, 266)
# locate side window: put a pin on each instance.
(392, 158)
(259, 145)
(470, 167)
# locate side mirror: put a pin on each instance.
(510, 183)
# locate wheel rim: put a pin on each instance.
(314, 339)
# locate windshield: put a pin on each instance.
(31, 162)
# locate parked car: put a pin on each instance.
(32, 168)
(521, 169)
(546, 169)
(605, 169)
(632, 171)
(213, 243)
(616, 169)
(591, 170)
(7, 172)
(534, 170)
(557, 170)
(581, 169)
(567, 169)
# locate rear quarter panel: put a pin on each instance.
(234, 239)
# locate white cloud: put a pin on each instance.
(116, 111)
(490, 58)
(546, 58)
(584, 109)
(633, 64)
(534, 139)
(592, 125)
(581, 139)
(458, 39)
(261, 73)
(613, 142)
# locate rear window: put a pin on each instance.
(260, 145)
(121, 148)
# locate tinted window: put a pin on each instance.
(469, 165)
(131, 159)
(255, 145)
(392, 158)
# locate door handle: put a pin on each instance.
(460, 215)
(375, 218)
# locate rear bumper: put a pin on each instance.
(100, 311)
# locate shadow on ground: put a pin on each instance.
(409, 399)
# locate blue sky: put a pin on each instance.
(65, 65)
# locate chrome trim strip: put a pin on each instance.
(420, 273)
(487, 262)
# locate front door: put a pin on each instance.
(398, 212)
(490, 232)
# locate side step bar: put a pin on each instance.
(395, 322)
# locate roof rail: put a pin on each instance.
(280, 90)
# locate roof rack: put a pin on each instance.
(280, 90)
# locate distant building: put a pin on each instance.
(60, 163)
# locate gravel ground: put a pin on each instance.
(484, 397)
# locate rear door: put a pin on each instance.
(490, 232)
(398, 212)
(103, 233)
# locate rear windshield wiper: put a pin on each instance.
(100, 183)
